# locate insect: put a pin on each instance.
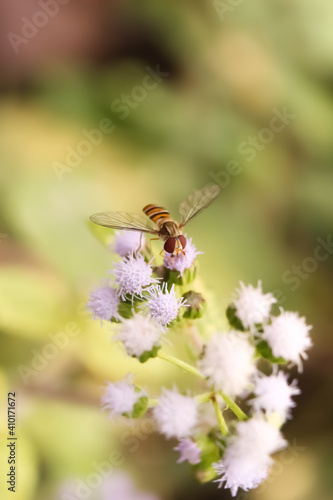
(157, 220)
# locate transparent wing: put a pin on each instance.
(126, 221)
(197, 202)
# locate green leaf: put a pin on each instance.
(234, 321)
(265, 352)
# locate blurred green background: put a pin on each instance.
(229, 67)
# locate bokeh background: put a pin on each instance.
(228, 66)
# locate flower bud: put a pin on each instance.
(148, 354)
(174, 277)
(197, 305)
(140, 407)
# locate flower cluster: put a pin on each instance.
(144, 304)
(248, 361)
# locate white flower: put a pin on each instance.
(239, 470)
(252, 305)
(288, 336)
(176, 415)
(273, 394)
(246, 460)
(133, 275)
(164, 305)
(139, 334)
(189, 450)
(259, 433)
(228, 362)
(126, 242)
(181, 262)
(103, 302)
(119, 486)
(120, 397)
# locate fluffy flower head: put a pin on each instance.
(239, 470)
(259, 434)
(103, 302)
(273, 394)
(164, 305)
(246, 460)
(176, 415)
(288, 336)
(228, 362)
(252, 305)
(189, 450)
(133, 275)
(182, 262)
(126, 242)
(120, 397)
(139, 334)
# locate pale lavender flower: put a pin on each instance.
(126, 242)
(67, 490)
(273, 394)
(120, 486)
(103, 302)
(113, 485)
(228, 362)
(189, 450)
(182, 262)
(246, 460)
(176, 415)
(252, 305)
(288, 337)
(120, 397)
(139, 334)
(133, 275)
(164, 305)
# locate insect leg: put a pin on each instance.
(152, 239)
(140, 246)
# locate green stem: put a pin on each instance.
(178, 362)
(234, 407)
(220, 417)
(205, 397)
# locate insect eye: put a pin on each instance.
(169, 245)
(182, 240)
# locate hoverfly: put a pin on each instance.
(161, 223)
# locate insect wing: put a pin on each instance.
(125, 221)
(197, 202)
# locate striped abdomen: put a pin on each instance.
(159, 215)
